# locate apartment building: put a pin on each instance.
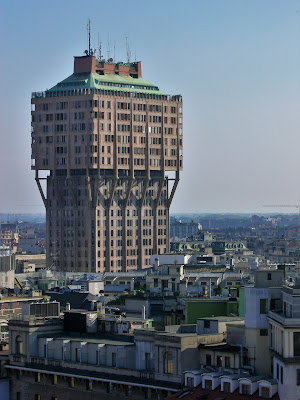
(75, 359)
(261, 297)
(284, 343)
(107, 140)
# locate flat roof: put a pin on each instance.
(222, 319)
(77, 337)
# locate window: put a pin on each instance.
(245, 389)
(113, 360)
(147, 362)
(296, 344)
(168, 363)
(219, 361)
(208, 359)
(265, 392)
(226, 387)
(19, 345)
(281, 374)
(37, 397)
(227, 362)
(206, 324)
(208, 384)
(77, 356)
(190, 382)
(269, 276)
(19, 396)
(263, 306)
(298, 376)
(263, 332)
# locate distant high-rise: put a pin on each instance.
(108, 138)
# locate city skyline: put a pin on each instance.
(235, 65)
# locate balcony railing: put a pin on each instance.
(115, 92)
(18, 359)
(147, 377)
(278, 316)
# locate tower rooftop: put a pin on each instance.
(90, 73)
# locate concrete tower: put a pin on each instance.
(107, 138)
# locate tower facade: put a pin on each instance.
(107, 138)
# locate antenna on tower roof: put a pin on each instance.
(114, 52)
(89, 52)
(128, 52)
(89, 33)
(99, 47)
(108, 48)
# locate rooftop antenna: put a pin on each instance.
(135, 55)
(99, 47)
(89, 36)
(108, 48)
(114, 52)
(128, 52)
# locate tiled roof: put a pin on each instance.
(198, 394)
(108, 81)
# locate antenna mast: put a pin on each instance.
(128, 52)
(89, 36)
(108, 48)
(99, 47)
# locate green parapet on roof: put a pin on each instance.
(105, 82)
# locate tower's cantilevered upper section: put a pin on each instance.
(76, 122)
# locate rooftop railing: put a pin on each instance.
(80, 92)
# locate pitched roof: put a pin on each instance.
(105, 82)
(76, 299)
(199, 393)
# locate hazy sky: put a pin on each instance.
(236, 63)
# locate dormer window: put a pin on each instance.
(245, 389)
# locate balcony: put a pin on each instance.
(89, 371)
(288, 322)
(17, 359)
